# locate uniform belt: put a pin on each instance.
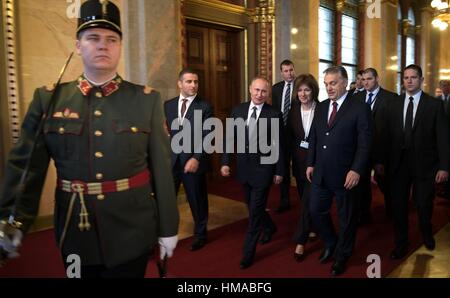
(81, 188)
(96, 188)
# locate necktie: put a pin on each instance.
(333, 114)
(369, 100)
(409, 122)
(183, 107)
(254, 113)
(287, 103)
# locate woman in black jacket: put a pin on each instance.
(301, 115)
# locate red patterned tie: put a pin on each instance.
(333, 114)
(183, 107)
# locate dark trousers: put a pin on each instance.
(423, 196)
(259, 220)
(197, 196)
(305, 223)
(364, 190)
(383, 185)
(321, 200)
(365, 195)
(134, 269)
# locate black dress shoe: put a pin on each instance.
(299, 257)
(399, 253)
(430, 244)
(326, 255)
(338, 267)
(267, 236)
(282, 209)
(197, 244)
(245, 263)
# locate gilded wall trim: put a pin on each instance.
(223, 6)
(12, 90)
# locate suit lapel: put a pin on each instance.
(420, 110)
(377, 101)
(299, 125)
(190, 111)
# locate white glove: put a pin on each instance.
(167, 246)
(10, 242)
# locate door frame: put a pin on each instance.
(224, 15)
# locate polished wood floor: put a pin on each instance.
(422, 263)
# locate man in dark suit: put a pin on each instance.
(414, 151)
(282, 100)
(190, 162)
(359, 84)
(338, 155)
(376, 98)
(444, 86)
(261, 127)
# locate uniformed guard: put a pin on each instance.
(115, 197)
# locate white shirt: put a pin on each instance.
(180, 105)
(340, 101)
(250, 111)
(443, 97)
(307, 118)
(374, 96)
(284, 93)
(416, 104)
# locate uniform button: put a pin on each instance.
(98, 113)
(98, 133)
(324, 147)
(100, 197)
(134, 129)
(98, 154)
(61, 130)
(327, 134)
(99, 176)
(98, 94)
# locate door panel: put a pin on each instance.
(213, 52)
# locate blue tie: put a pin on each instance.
(287, 103)
(369, 100)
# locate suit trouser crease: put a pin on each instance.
(259, 220)
(321, 201)
(197, 197)
(305, 222)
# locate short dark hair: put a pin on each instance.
(286, 62)
(443, 82)
(337, 69)
(373, 71)
(185, 71)
(360, 72)
(415, 67)
(310, 81)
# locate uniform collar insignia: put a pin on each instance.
(107, 89)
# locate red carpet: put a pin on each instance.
(221, 256)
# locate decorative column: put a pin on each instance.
(263, 16)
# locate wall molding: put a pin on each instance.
(11, 70)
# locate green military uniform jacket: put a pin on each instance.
(97, 134)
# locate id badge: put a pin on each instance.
(304, 145)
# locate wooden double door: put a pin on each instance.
(213, 51)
